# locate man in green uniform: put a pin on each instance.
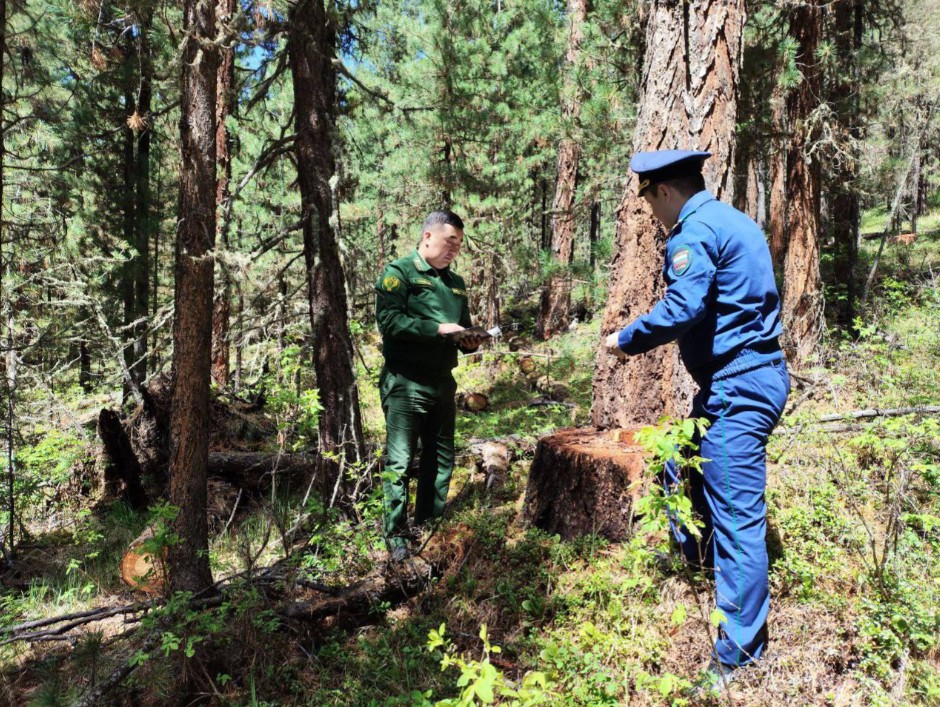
(418, 302)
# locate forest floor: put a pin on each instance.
(854, 537)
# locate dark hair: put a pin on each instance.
(443, 217)
(689, 185)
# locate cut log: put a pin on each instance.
(256, 472)
(474, 402)
(495, 464)
(138, 569)
(580, 483)
(388, 583)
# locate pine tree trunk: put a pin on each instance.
(777, 232)
(225, 101)
(690, 78)
(129, 227)
(144, 222)
(595, 231)
(846, 213)
(188, 561)
(556, 295)
(311, 42)
(801, 293)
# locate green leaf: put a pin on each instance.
(679, 615)
(717, 617)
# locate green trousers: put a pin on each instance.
(416, 409)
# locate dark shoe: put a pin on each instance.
(399, 554)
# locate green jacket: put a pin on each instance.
(411, 299)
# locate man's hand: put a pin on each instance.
(448, 328)
(467, 344)
(611, 342)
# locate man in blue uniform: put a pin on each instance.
(722, 306)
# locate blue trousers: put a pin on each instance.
(729, 498)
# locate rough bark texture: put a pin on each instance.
(311, 41)
(580, 483)
(225, 99)
(801, 293)
(690, 77)
(556, 296)
(188, 561)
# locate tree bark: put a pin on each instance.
(846, 212)
(690, 81)
(188, 561)
(129, 227)
(777, 232)
(595, 231)
(225, 103)
(311, 45)
(143, 218)
(555, 305)
(801, 293)
(580, 483)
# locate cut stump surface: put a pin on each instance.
(580, 483)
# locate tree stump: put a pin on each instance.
(580, 483)
(138, 569)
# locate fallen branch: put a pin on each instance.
(117, 676)
(868, 414)
(390, 583)
(875, 412)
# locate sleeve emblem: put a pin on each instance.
(681, 261)
(391, 283)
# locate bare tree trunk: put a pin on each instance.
(129, 227)
(690, 81)
(777, 236)
(846, 212)
(801, 293)
(225, 102)
(311, 43)
(492, 291)
(188, 561)
(380, 233)
(144, 222)
(556, 295)
(595, 231)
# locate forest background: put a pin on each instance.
(196, 202)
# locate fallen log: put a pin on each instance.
(582, 482)
(389, 583)
(254, 472)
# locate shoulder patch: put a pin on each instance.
(681, 261)
(459, 291)
(391, 283)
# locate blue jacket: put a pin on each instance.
(721, 300)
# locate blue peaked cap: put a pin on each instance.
(658, 166)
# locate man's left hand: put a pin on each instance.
(613, 345)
